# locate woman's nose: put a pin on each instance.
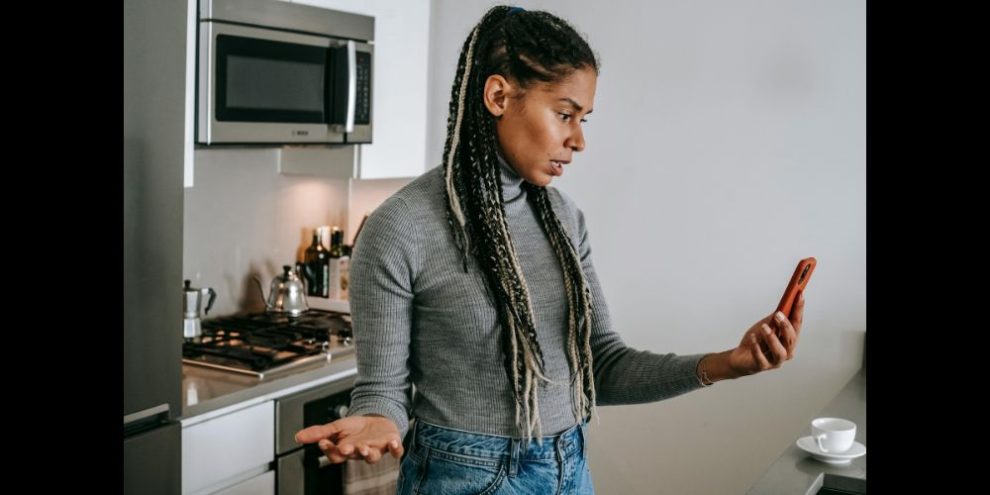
(576, 140)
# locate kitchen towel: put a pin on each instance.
(361, 478)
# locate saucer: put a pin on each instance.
(808, 445)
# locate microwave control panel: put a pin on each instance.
(362, 109)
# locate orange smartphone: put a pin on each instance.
(797, 284)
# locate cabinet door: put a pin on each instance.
(263, 484)
(221, 450)
(399, 89)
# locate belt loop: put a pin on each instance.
(513, 457)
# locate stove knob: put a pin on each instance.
(338, 411)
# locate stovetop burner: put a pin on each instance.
(261, 344)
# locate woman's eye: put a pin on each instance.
(566, 117)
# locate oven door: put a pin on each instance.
(261, 85)
(307, 471)
(304, 469)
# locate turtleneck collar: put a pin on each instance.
(511, 180)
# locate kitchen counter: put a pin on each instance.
(208, 393)
(795, 471)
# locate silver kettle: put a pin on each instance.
(192, 301)
(287, 294)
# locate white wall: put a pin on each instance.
(728, 141)
(243, 218)
(365, 196)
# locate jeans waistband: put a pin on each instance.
(436, 437)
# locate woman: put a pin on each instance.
(475, 283)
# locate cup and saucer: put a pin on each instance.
(832, 441)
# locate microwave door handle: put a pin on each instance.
(351, 85)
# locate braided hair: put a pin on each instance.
(527, 47)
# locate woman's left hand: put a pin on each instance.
(762, 348)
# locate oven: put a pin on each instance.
(303, 469)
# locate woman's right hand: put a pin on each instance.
(355, 437)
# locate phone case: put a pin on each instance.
(802, 273)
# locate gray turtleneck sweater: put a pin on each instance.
(420, 320)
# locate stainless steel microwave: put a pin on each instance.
(283, 73)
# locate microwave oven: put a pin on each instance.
(273, 72)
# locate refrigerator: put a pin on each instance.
(154, 144)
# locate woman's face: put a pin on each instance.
(539, 132)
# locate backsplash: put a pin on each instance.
(244, 219)
(365, 196)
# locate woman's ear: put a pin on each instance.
(497, 92)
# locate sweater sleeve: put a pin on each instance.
(624, 375)
(381, 294)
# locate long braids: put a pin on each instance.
(527, 46)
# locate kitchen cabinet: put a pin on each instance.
(399, 92)
(399, 95)
(228, 451)
(189, 114)
(263, 484)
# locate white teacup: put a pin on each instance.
(833, 435)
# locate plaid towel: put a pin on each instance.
(361, 478)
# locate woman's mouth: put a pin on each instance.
(556, 168)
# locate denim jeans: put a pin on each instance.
(443, 461)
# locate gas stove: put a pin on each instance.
(265, 344)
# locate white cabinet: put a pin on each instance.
(399, 91)
(263, 484)
(192, 27)
(222, 452)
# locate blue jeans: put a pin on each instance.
(442, 461)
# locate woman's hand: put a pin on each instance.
(355, 437)
(762, 348)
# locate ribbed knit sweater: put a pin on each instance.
(420, 320)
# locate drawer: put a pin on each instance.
(263, 484)
(224, 448)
